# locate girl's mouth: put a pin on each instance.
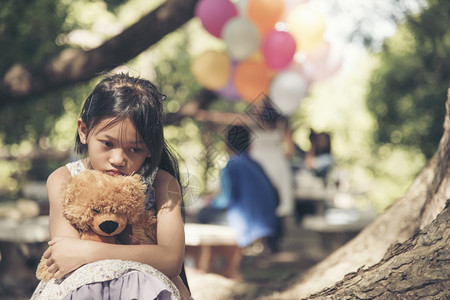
(114, 173)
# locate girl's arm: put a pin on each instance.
(59, 225)
(67, 252)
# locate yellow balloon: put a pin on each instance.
(211, 69)
(307, 26)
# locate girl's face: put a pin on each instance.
(114, 149)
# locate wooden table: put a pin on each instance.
(338, 226)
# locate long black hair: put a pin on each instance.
(121, 96)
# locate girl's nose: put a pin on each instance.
(118, 158)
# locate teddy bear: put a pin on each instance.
(108, 209)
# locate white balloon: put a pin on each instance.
(287, 90)
(241, 6)
(241, 38)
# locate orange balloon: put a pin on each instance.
(307, 26)
(251, 78)
(265, 13)
(211, 69)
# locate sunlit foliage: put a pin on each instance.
(409, 87)
(404, 111)
(31, 31)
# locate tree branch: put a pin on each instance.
(74, 65)
(191, 108)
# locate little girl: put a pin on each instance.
(120, 132)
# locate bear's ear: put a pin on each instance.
(131, 190)
(79, 215)
(129, 196)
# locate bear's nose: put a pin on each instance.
(108, 226)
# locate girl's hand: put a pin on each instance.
(65, 254)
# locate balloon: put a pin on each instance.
(279, 49)
(265, 13)
(241, 38)
(305, 70)
(289, 5)
(214, 14)
(229, 91)
(241, 6)
(307, 26)
(287, 90)
(324, 62)
(211, 69)
(251, 78)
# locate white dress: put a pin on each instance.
(108, 279)
(267, 149)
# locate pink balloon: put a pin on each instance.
(214, 14)
(325, 62)
(278, 49)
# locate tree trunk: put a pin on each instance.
(416, 269)
(75, 65)
(412, 265)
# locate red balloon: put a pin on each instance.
(278, 48)
(214, 14)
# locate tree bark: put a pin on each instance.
(414, 211)
(415, 269)
(75, 65)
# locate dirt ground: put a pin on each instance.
(300, 249)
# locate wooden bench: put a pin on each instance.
(22, 241)
(25, 230)
(311, 195)
(212, 249)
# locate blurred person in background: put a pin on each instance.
(247, 200)
(318, 159)
(272, 147)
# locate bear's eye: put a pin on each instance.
(96, 210)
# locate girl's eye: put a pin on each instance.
(107, 144)
(136, 150)
(96, 210)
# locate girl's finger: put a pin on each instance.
(58, 274)
(53, 241)
(47, 252)
(53, 269)
(49, 262)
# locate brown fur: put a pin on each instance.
(92, 197)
